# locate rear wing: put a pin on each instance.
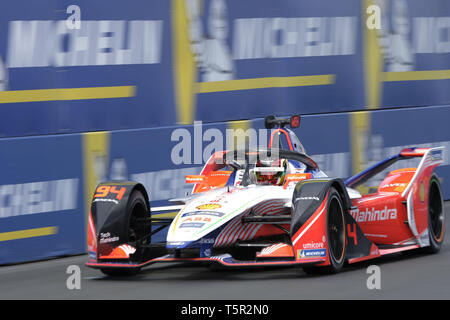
(430, 157)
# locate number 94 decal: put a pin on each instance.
(109, 191)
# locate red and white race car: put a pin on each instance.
(272, 207)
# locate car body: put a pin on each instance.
(232, 218)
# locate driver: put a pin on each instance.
(270, 172)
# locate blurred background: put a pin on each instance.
(93, 91)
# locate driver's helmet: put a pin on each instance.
(270, 172)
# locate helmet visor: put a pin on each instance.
(269, 174)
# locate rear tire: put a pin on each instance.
(436, 216)
(336, 236)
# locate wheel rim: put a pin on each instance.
(336, 233)
(436, 212)
(136, 232)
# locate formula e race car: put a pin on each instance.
(272, 207)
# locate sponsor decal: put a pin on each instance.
(436, 155)
(311, 253)
(422, 192)
(375, 235)
(219, 174)
(106, 200)
(106, 238)
(176, 243)
(143, 45)
(253, 37)
(295, 177)
(393, 185)
(207, 241)
(313, 245)
(308, 198)
(369, 215)
(193, 179)
(203, 213)
(205, 246)
(209, 206)
(192, 225)
(197, 219)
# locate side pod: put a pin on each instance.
(309, 220)
(309, 195)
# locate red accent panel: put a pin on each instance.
(418, 152)
(276, 251)
(286, 135)
(91, 235)
(381, 217)
(313, 234)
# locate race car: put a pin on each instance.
(272, 207)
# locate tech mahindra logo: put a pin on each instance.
(374, 215)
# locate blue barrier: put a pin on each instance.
(41, 198)
(139, 71)
(151, 64)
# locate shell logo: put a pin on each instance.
(209, 206)
(422, 192)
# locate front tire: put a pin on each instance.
(336, 236)
(139, 226)
(138, 232)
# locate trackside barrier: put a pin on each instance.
(78, 66)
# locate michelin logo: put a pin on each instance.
(256, 38)
(312, 253)
(45, 43)
(38, 197)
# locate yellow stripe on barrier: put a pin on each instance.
(166, 215)
(416, 75)
(95, 162)
(28, 233)
(17, 96)
(260, 83)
